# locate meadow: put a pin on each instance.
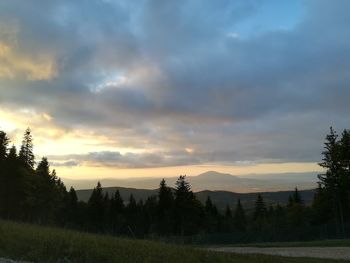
(34, 243)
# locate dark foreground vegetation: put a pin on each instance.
(44, 244)
(32, 193)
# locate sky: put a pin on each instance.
(160, 88)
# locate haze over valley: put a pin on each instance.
(213, 181)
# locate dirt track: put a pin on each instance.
(312, 252)
(4, 260)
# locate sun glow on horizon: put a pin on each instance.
(90, 172)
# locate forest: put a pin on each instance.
(31, 192)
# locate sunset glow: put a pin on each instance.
(118, 89)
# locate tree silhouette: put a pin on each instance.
(260, 208)
(117, 210)
(26, 154)
(95, 208)
(239, 217)
(4, 141)
(71, 208)
(5, 177)
(165, 208)
(332, 179)
(228, 212)
(186, 208)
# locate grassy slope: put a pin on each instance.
(44, 244)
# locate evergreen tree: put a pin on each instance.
(95, 208)
(332, 179)
(107, 211)
(296, 210)
(279, 220)
(132, 206)
(211, 216)
(239, 217)
(260, 214)
(345, 151)
(71, 210)
(228, 212)
(210, 208)
(117, 209)
(187, 209)
(165, 197)
(295, 198)
(15, 187)
(147, 218)
(132, 216)
(4, 175)
(260, 208)
(4, 141)
(344, 187)
(164, 208)
(49, 193)
(26, 154)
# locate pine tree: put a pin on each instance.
(187, 209)
(15, 186)
(132, 206)
(164, 208)
(295, 198)
(4, 175)
(95, 208)
(183, 189)
(117, 202)
(332, 179)
(345, 152)
(73, 200)
(117, 209)
(260, 208)
(228, 212)
(48, 192)
(344, 184)
(26, 154)
(4, 141)
(71, 208)
(296, 210)
(210, 208)
(132, 215)
(149, 214)
(239, 217)
(165, 197)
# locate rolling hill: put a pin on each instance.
(213, 181)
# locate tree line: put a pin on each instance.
(34, 193)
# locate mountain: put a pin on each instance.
(219, 198)
(213, 181)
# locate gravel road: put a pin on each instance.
(312, 252)
(5, 260)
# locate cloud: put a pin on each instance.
(126, 160)
(13, 65)
(65, 163)
(162, 76)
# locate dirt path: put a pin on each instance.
(312, 252)
(5, 260)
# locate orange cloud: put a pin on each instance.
(13, 65)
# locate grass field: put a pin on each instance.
(44, 244)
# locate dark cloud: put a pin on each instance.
(170, 75)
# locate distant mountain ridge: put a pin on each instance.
(213, 181)
(219, 198)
